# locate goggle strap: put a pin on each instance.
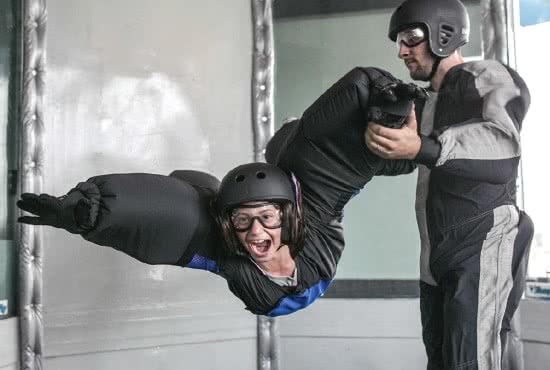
(256, 205)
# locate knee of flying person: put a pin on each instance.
(276, 146)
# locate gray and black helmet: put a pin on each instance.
(254, 182)
(446, 21)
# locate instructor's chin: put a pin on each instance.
(419, 76)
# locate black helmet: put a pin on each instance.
(252, 182)
(255, 182)
(447, 23)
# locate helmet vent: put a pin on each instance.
(446, 32)
(260, 175)
(239, 178)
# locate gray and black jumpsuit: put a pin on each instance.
(473, 235)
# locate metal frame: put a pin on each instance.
(262, 76)
(492, 35)
(30, 130)
(263, 128)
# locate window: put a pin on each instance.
(532, 58)
(7, 164)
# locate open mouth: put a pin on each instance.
(260, 247)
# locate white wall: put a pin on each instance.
(142, 86)
(373, 334)
(383, 334)
(9, 346)
(535, 333)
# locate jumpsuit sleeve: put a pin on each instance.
(486, 147)
(396, 167)
(154, 218)
(326, 148)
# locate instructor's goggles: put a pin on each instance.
(268, 214)
(411, 37)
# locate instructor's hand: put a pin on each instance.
(389, 143)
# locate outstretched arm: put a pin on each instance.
(153, 218)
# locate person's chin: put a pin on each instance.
(419, 76)
(262, 257)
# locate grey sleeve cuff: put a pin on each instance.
(429, 152)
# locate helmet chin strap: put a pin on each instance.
(435, 66)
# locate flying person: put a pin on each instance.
(272, 230)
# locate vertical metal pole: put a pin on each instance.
(493, 30)
(30, 128)
(262, 76)
(263, 129)
(268, 343)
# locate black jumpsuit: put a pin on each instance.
(166, 219)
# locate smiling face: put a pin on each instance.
(258, 228)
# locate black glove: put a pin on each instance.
(73, 212)
(391, 91)
(392, 100)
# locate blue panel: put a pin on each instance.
(297, 302)
(202, 263)
(533, 12)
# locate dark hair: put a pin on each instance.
(292, 232)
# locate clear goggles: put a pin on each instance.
(268, 214)
(411, 37)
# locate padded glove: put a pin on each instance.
(391, 101)
(75, 212)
